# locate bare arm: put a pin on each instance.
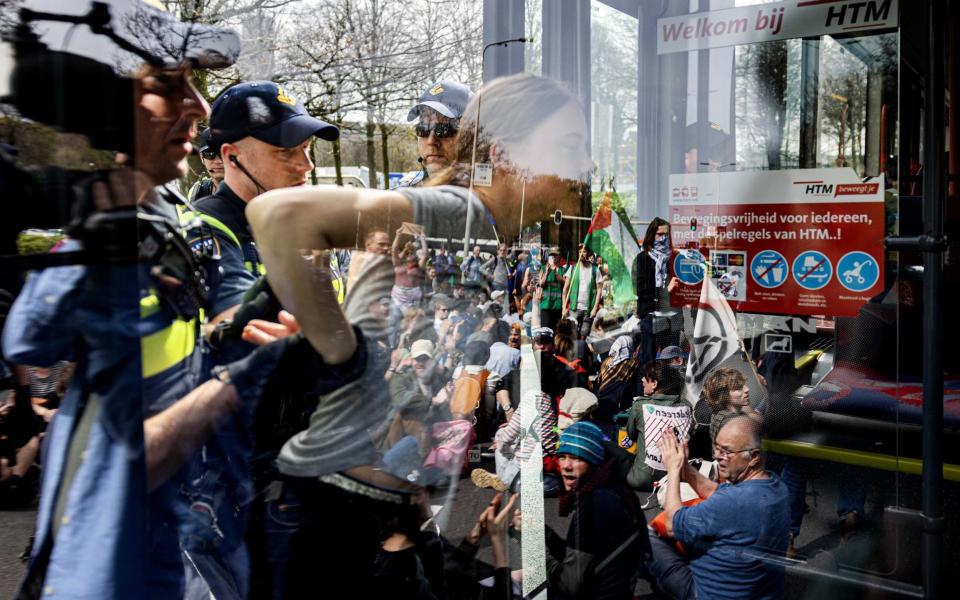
(564, 295)
(535, 317)
(173, 435)
(675, 459)
(395, 249)
(423, 246)
(596, 298)
(287, 222)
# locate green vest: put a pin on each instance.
(552, 291)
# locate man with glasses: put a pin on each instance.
(439, 111)
(733, 536)
(212, 163)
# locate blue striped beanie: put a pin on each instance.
(583, 440)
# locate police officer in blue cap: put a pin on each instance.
(128, 318)
(438, 118)
(212, 164)
(263, 136)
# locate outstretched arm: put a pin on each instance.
(290, 223)
(173, 435)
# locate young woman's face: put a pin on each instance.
(740, 397)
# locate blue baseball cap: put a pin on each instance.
(265, 111)
(448, 98)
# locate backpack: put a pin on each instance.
(467, 393)
(451, 450)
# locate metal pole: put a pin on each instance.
(473, 153)
(934, 189)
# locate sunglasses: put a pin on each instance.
(440, 130)
(209, 154)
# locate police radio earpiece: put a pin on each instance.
(236, 163)
(420, 159)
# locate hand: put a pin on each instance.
(674, 283)
(122, 188)
(499, 523)
(674, 453)
(479, 528)
(538, 294)
(261, 332)
(517, 519)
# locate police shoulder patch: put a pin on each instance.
(205, 245)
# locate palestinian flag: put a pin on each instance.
(613, 239)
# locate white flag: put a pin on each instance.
(714, 340)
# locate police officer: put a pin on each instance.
(212, 164)
(438, 116)
(263, 136)
(130, 327)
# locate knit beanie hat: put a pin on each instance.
(583, 440)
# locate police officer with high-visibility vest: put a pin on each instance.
(263, 136)
(123, 298)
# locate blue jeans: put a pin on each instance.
(670, 571)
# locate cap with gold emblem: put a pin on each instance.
(266, 111)
(448, 98)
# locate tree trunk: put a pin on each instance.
(371, 149)
(337, 161)
(384, 138)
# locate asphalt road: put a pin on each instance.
(880, 547)
(16, 527)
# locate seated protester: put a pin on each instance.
(441, 311)
(512, 447)
(581, 349)
(565, 352)
(475, 357)
(555, 376)
(726, 535)
(503, 357)
(615, 383)
(516, 334)
(607, 535)
(405, 457)
(410, 563)
(576, 405)
(47, 386)
(662, 387)
(19, 446)
(419, 373)
(673, 356)
(725, 393)
(484, 333)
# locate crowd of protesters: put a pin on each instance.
(353, 367)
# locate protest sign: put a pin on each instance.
(659, 421)
(799, 242)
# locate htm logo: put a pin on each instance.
(858, 13)
(816, 188)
